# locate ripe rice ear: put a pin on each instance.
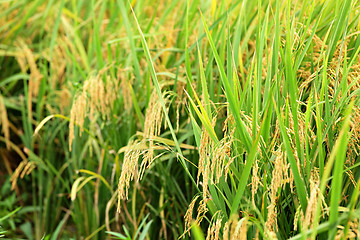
(4, 121)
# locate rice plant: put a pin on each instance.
(180, 119)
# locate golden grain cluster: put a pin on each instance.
(97, 97)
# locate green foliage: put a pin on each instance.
(232, 118)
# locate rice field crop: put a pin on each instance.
(153, 119)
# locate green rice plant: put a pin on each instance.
(185, 119)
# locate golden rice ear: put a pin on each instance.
(148, 158)
(277, 181)
(57, 59)
(299, 215)
(77, 116)
(235, 229)
(97, 96)
(16, 174)
(145, 148)
(255, 181)
(226, 231)
(26, 60)
(129, 170)
(213, 232)
(189, 221)
(4, 121)
(24, 168)
(214, 157)
(233, 224)
(243, 229)
(354, 143)
(315, 194)
(125, 86)
(202, 210)
(188, 217)
(203, 151)
(152, 128)
(35, 75)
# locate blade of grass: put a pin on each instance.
(233, 103)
